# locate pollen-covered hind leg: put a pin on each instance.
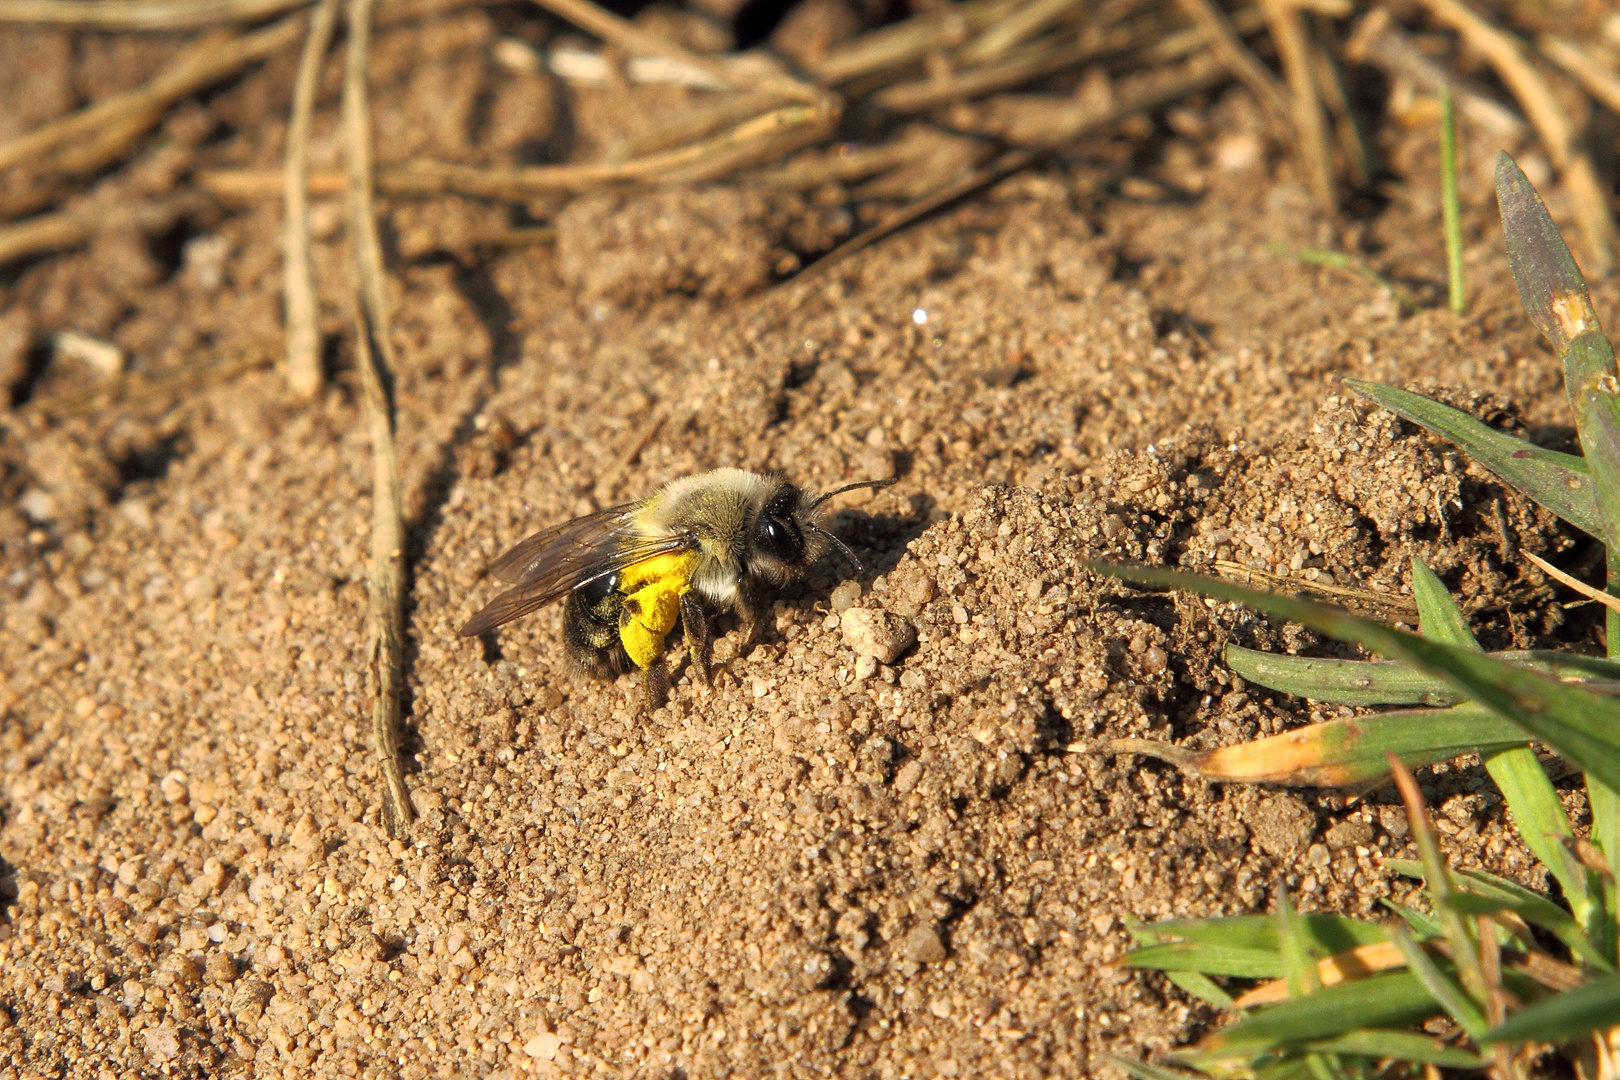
(657, 684)
(695, 628)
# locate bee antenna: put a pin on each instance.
(842, 547)
(852, 487)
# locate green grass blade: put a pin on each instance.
(1208, 960)
(1439, 617)
(1589, 372)
(1401, 1046)
(1204, 988)
(1544, 914)
(1384, 682)
(1299, 966)
(1550, 284)
(1537, 813)
(1556, 299)
(1342, 682)
(1559, 482)
(1566, 1016)
(1338, 260)
(1605, 805)
(1330, 934)
(1459, 933)
(1141, 1070)
(1441, 986)
(1343, 752)
(1531, 906)
(1421, 923)
(1450, 206)
(1581, 725)
(1395, 999)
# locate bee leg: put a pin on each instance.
(750, 606)
(657, 683)
(695, 627)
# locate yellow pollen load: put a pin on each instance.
(652, 592)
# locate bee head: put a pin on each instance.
(788, 534)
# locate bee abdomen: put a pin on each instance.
(591, 619)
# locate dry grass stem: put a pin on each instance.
(908, 42)
(1054, 122)
(1299, 62)
(771, 135)
(1574, 584)
(1032, 63)
(1506, 55)
(304, 374)
(1013, 29)
(70, 228)
(633, 39)
(182, 382)
(1600, 80)
(697, 123)
(1292, 586)
(142, 14)
(1002, 167)
(373, 328)
(839, 167)
(1378, 41)
(29, 194)
(1243, 64)
(134, 111)
(1345, 129)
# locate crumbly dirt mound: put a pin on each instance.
(822, 864)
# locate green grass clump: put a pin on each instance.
(1510, 971)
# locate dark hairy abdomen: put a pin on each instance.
(591, 632)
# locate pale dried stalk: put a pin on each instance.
(373, 325)
(1007, 164)
(1299, 67)
(1345, 128)
(1378, 41)
(1600, 80)
(1149, 92)
(201, 64)
(304, 373)
(1574, 583)
(722, 111)
(70, 228)
(1015, 28)
(776, 132)
(907, 42)
(142, 14)
(1031, 63)
(1506, 55)
(632, 38)
(1243, 64)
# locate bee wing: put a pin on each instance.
(559, 560)
(530, 557)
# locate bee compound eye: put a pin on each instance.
(780, 539)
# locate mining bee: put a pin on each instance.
(702, 544)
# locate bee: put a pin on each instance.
(721, 540)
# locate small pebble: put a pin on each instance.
(845, 595)
(543, 1047)
(879, 634)
(923, 945)
(174, 789)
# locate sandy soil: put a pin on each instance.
(923, 872)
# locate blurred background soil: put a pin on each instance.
(818, 866)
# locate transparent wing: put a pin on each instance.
(559, 560)
(530, 557)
